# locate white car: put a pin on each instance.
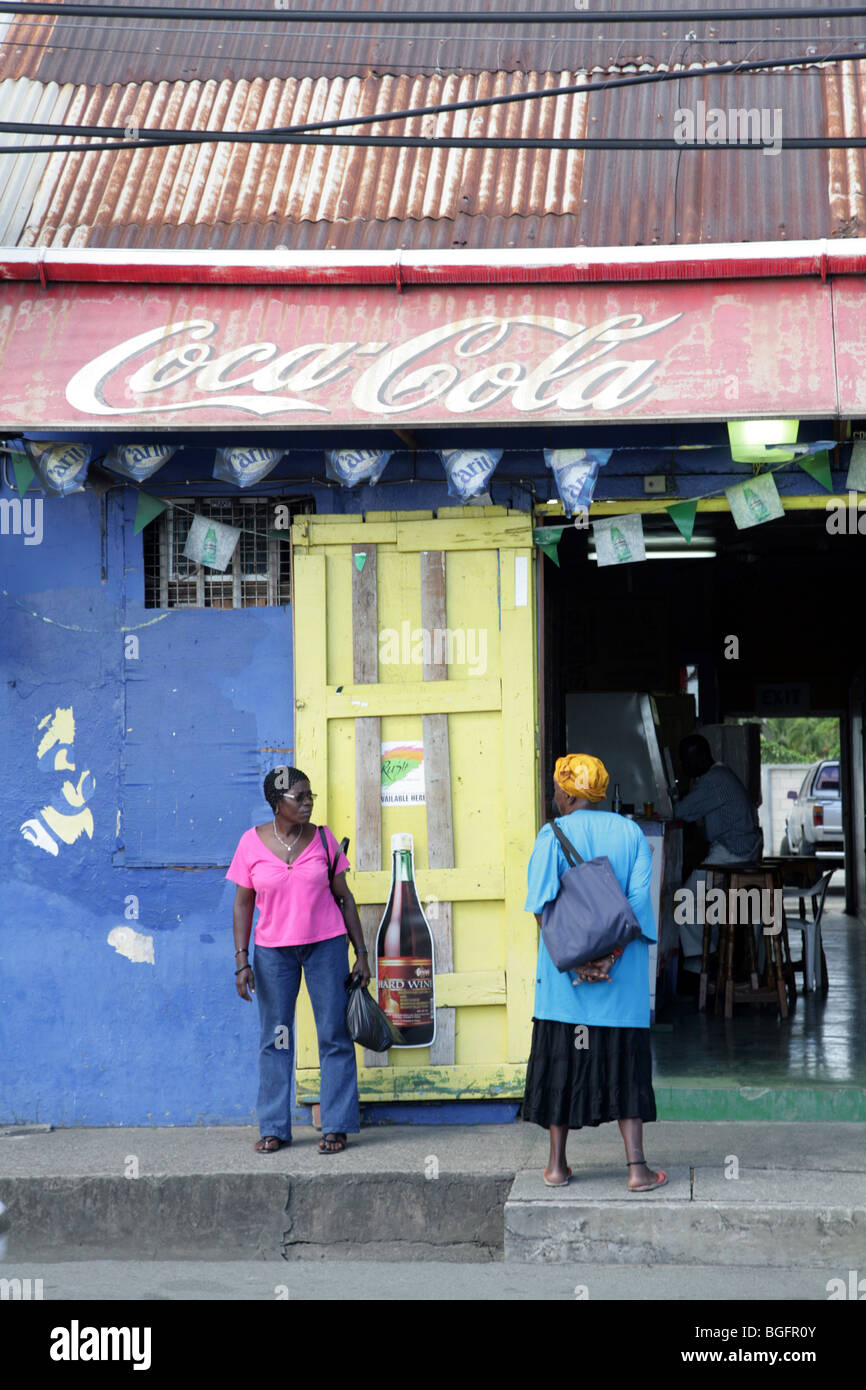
(814, 824)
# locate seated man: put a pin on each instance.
(729, 820)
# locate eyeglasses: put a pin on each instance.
(305, 796)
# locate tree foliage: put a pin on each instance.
(802, 740)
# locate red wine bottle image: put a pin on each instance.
(404, 953)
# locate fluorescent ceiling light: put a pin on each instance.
(673, 548)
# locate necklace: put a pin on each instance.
(291, 847)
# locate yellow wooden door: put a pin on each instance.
(408, 629)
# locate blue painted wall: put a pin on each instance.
(176, 743)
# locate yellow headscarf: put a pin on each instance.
(580, 774)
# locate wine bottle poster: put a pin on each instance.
(403, 773)
(405, 969)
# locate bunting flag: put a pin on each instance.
(60, 467)
(211, 542)
(360, 560)
(755, 501)
(24, 474)
(683, 514)
(353, 466)
(619, 540)
(147, 508)
(818, 467)
(576, 474)
(245, 466)
(856, 480)
(547, 539)
(139, 461)
(469, 470)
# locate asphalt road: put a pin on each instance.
(374, 1281)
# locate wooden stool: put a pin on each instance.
(779, 978)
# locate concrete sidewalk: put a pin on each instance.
(760, 1194)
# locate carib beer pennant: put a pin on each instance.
(619, 540)
(139, 461)
(211, 542)
(60, 468)
(469, 470)
(856, 479)
(754, 501)
(245, 466)
(575, 472)
(353, 466)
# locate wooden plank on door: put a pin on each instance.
(437, 791)
(520, 739)
(368, 744)
(309, 619)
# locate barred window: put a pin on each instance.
(259, 573)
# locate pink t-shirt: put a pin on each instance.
(295, 903)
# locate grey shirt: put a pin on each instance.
(721, 802)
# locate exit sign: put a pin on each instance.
(781, 700)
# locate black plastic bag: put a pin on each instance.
(368, 1025)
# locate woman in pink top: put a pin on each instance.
(282, 867)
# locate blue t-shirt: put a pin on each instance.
(624, 1000)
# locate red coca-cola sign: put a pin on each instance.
(192, 357)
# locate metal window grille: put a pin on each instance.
(258, 575)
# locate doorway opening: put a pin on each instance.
(708, 639)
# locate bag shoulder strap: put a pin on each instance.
(332, 863)
(571, 855)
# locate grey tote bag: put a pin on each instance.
(590, 916)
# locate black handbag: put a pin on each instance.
(368, 1025)
(590, 916)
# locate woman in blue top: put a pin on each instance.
(590, 1061)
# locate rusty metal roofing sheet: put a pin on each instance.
(236, 195)
(110, 51)
(300, 197)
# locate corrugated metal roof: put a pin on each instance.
(248, 195)
(135, 50)
(299, 197)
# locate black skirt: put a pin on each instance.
(585, 1075)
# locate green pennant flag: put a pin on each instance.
(24, 474)
(818, 467)
(360, 558)
(147, 508)
(547, 538)
(683, 514)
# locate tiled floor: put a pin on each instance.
(822, 1043)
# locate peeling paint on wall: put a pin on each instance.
(60, 730)
(133, 944)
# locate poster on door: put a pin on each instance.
(403, 773)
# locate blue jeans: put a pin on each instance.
(278, 978)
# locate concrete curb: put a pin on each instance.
(766, 1217)
(267, 1216)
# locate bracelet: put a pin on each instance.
(362, 951)
(242, 969)
(242, 950)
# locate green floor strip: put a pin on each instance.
(712, 1100)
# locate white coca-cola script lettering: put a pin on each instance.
(483, 367)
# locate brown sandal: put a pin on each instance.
(270, 1144)
(336, 1143)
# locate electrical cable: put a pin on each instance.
(788, 142)
(49, 43)
(285, 13)
(151, 138)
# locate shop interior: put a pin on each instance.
(711, 631)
